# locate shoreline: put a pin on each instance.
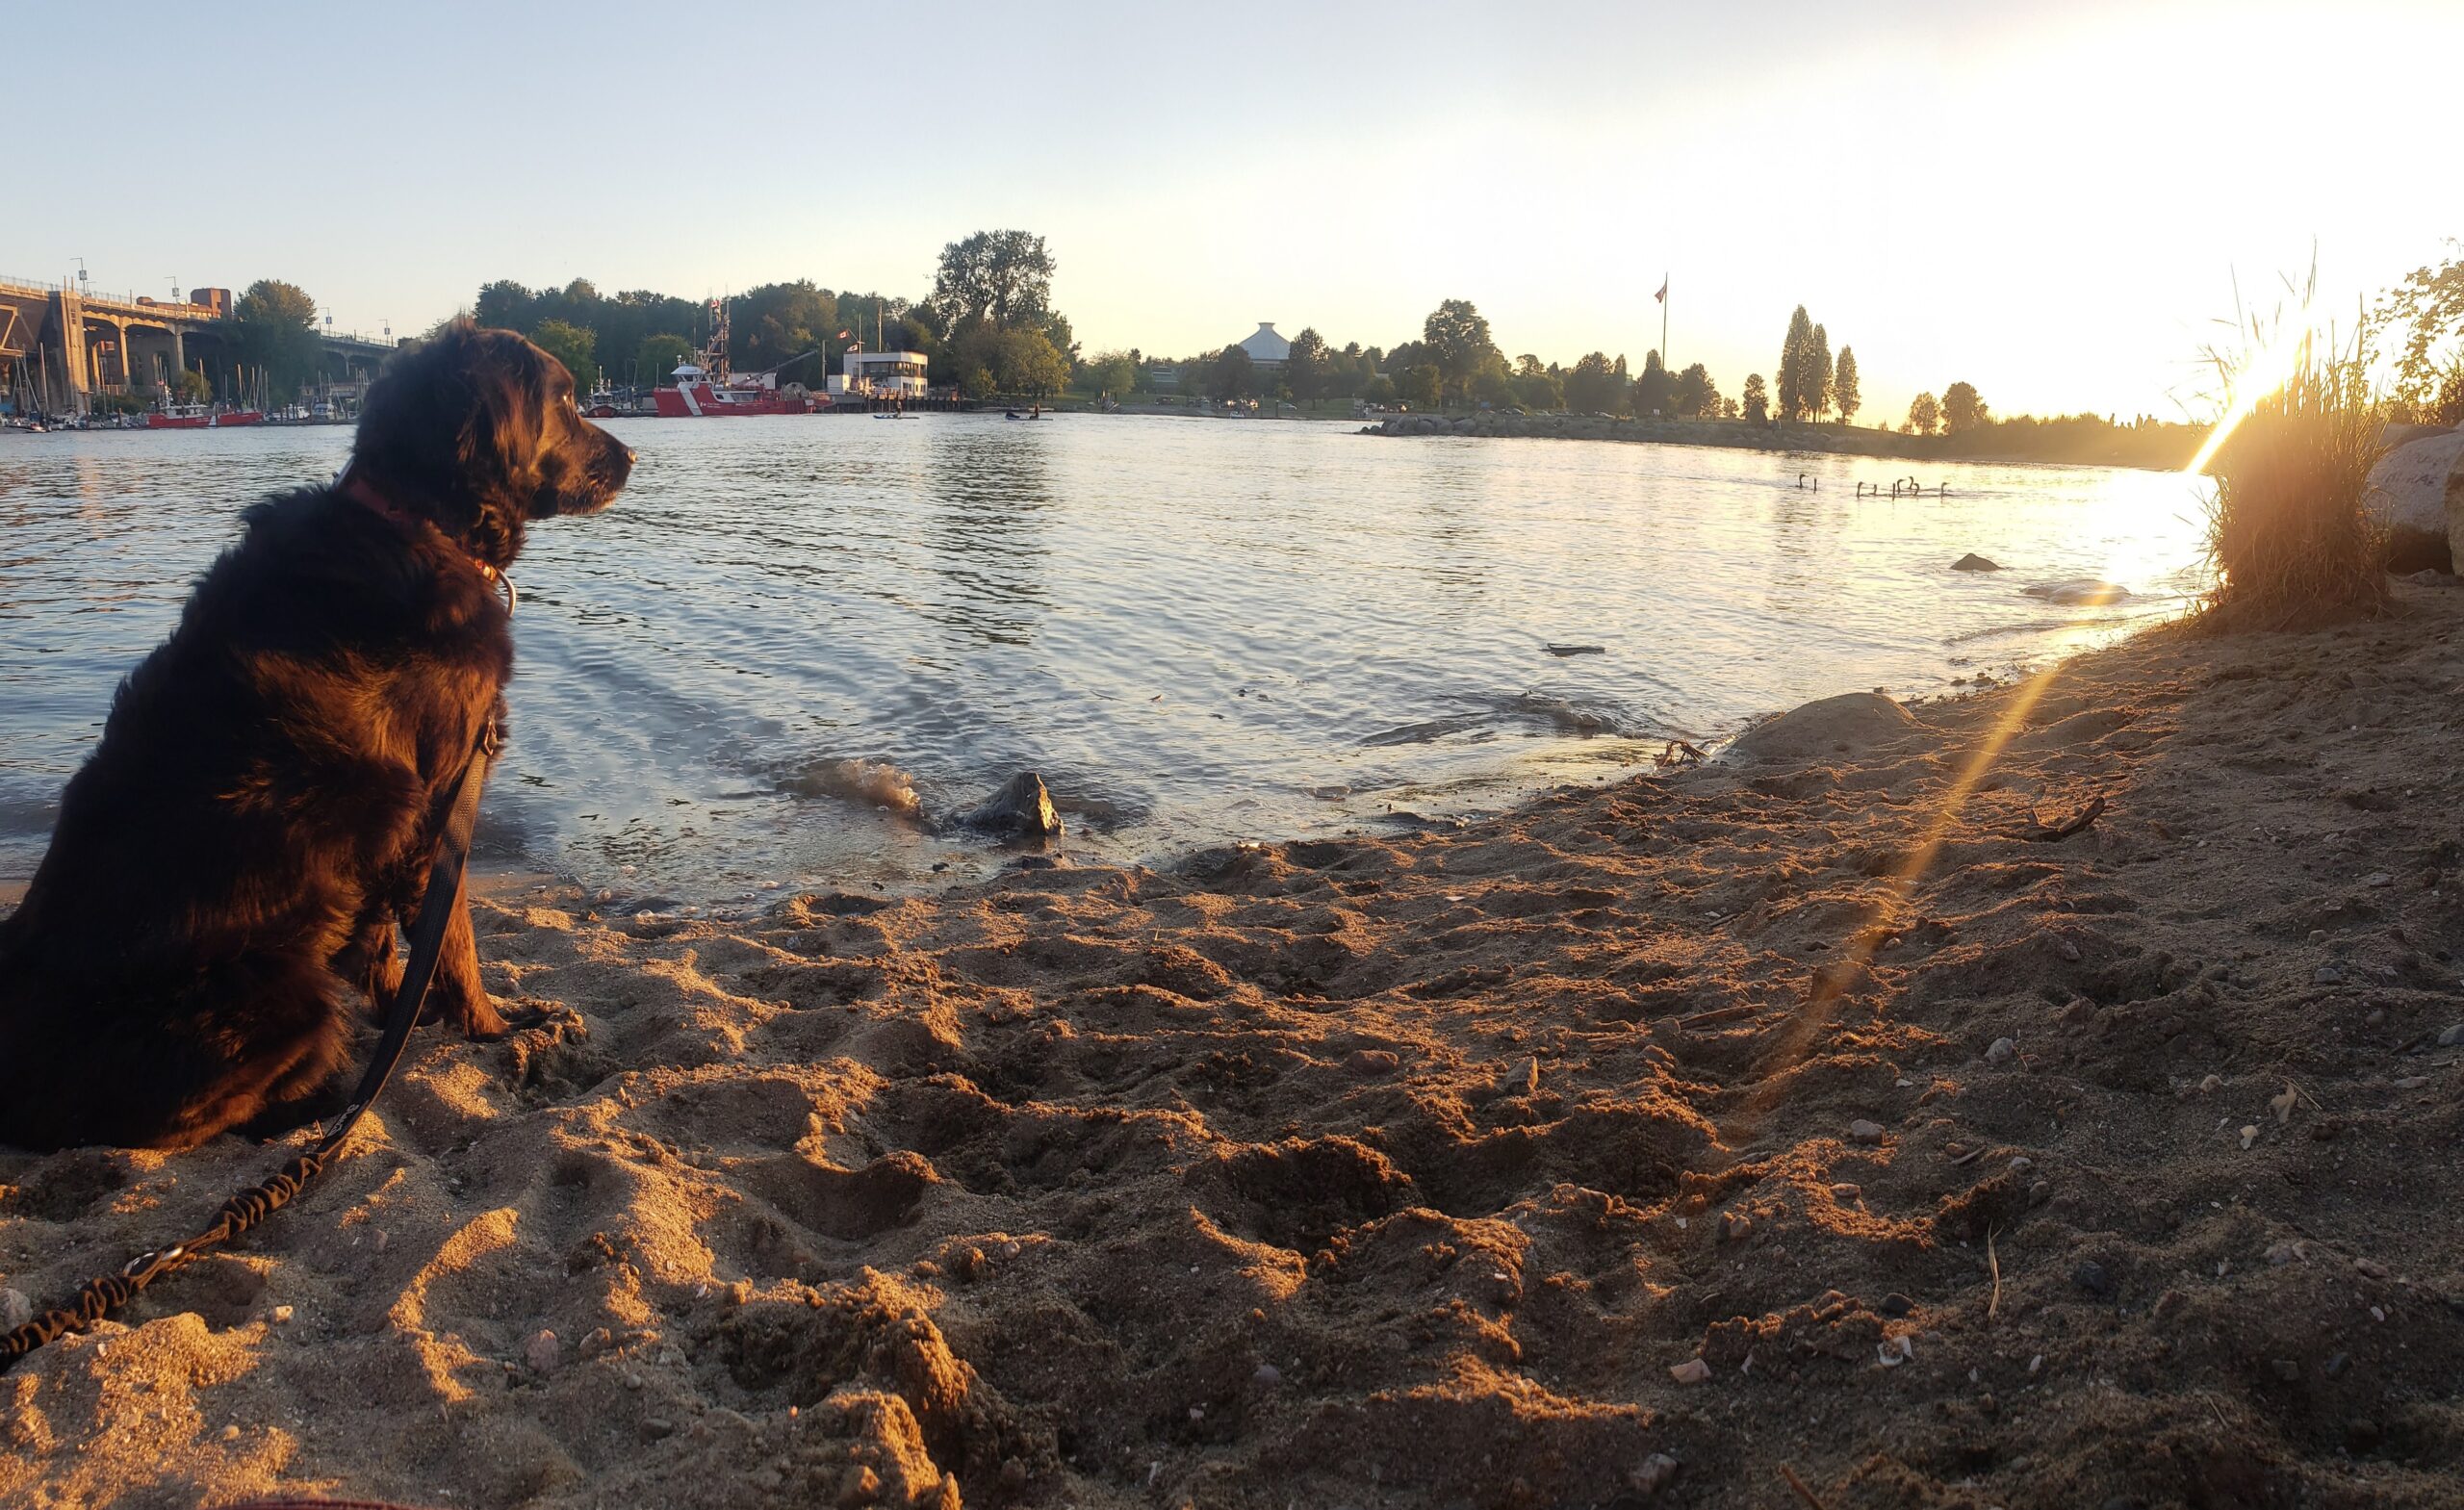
(1738, 435)
(2051, 1173)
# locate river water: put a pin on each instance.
(796, 647)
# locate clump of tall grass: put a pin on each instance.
(2289, 537)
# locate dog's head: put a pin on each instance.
(479, 431)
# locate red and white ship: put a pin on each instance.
(704, 388)
(199, 417)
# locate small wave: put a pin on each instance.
(1426, 731)
(2082, 592)
(1561, 715)
(1569, 718)
(875, 783)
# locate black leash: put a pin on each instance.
(98, 1298)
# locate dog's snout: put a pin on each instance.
(629, 456)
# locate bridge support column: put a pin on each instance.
(179, 354)
(68, 317)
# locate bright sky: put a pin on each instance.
(2048, 201)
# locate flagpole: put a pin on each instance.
(1666, 363)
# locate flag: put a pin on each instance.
(1662, 295)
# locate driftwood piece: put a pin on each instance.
(2049, 833)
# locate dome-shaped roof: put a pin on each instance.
(1266, 346)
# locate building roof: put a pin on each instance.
(1266, 346)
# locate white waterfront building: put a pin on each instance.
(880, 374)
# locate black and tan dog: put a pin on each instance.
(228, 866)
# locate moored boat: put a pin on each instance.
(703, 387)
(200, 417)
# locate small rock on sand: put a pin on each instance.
(1861, 1130)
(2094, 1278)
(1653, 1475)
(2449, 1038)
(1972, 562)
(1021, 809)
(15, 1310)
(1373, 1062)
(1849, 723)
(540, 1351)
(1693, 1370)
(2001, 1051)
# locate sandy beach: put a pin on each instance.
(1644, 1146)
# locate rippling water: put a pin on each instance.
(795, 646)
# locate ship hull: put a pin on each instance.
(700, 401)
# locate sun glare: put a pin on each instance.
(2258, 375)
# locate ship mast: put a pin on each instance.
(717, 355)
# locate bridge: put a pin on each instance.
(60, 344)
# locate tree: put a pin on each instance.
(191, 386)
(1109, 372)
(1001, 276)
(1232, 374)
(1694, 395)
(1494, 385)
(1540, 392)
(1924, 415)
(275, 332)
(2429, 308)
(1457, 338)
(1654, 393)
(1796, 360)
(1818, 373)
(774, 322)
(570, 345)
(1591, 388)
(1424, 385)
(1963, 410)
(1306, 368)
(1379, 388)
(1757, 402)
(504, 305)
(657, 356)
(2448, 408)
(1844, 397)
(1030, 364)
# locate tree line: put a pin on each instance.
(989, 325)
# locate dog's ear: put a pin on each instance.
(497, 446)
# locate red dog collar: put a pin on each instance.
(350, 484)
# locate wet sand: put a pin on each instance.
(1424, 1171)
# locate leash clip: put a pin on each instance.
(147, 1262)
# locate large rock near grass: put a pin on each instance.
(1848, 724)
(2416, 492)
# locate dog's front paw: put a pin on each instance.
(473, 1011)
